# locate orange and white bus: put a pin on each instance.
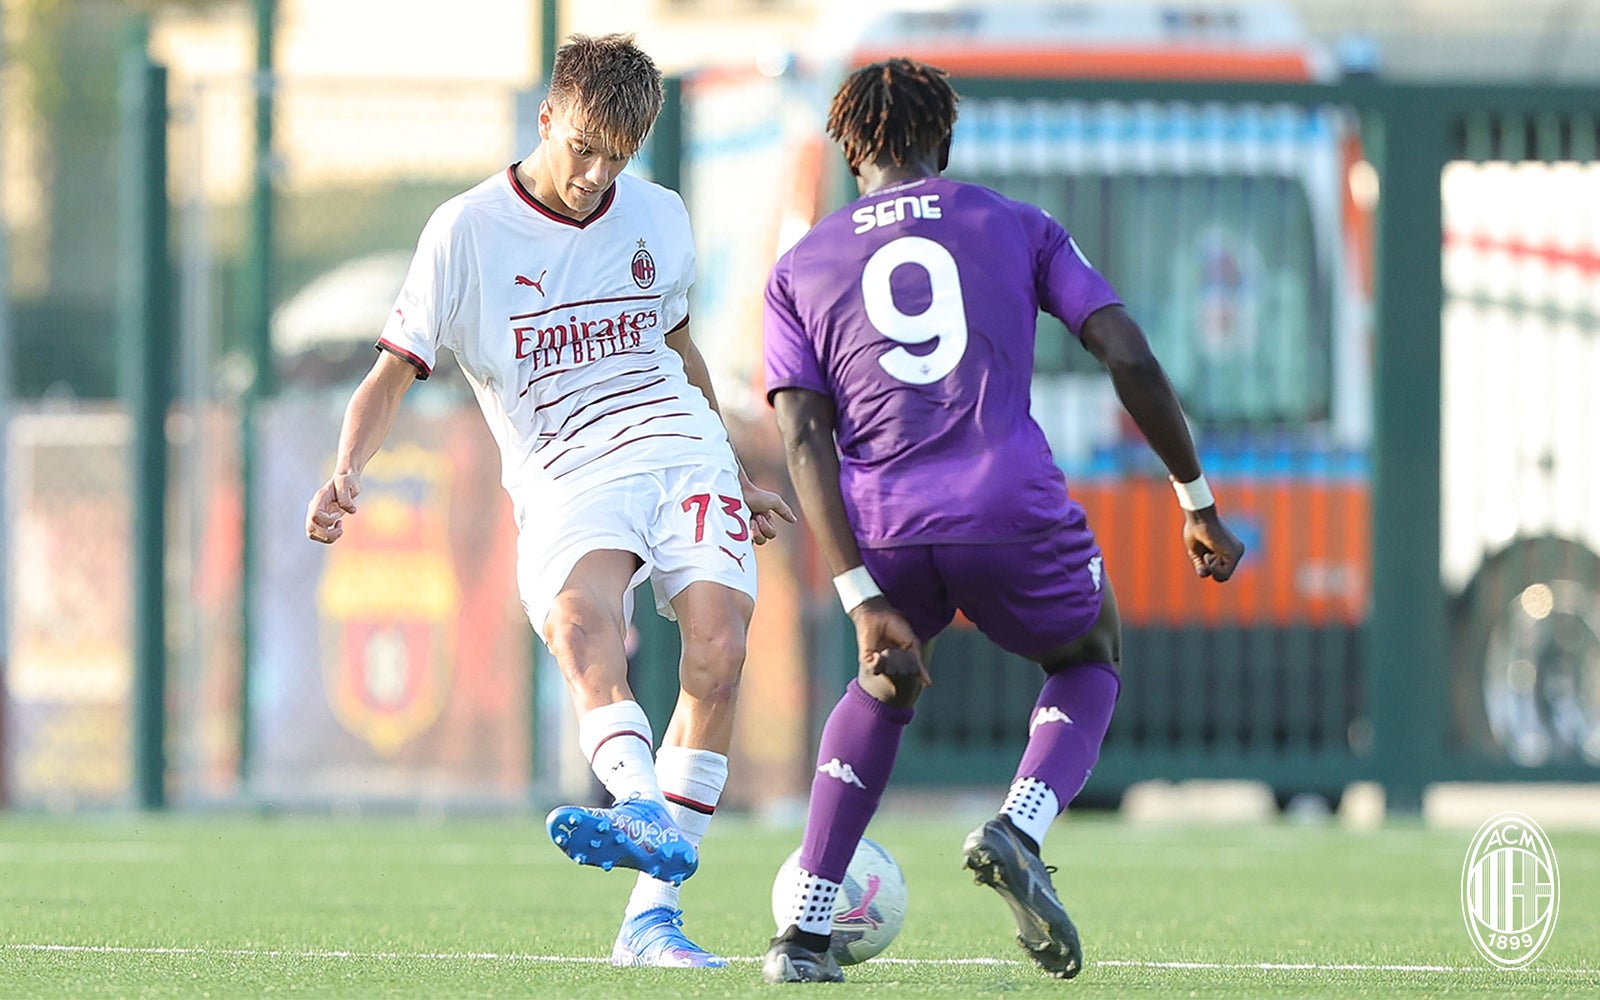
(1241, 245)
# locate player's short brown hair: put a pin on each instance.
(610, 85)
(894, 110)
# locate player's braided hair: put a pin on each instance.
(897, 109)
(610, 85)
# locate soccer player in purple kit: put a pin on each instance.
(899, 354)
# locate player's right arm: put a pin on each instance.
(419, 324)
(367, 421)
(887, 646)
(1113, 337)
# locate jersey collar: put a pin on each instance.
(533, 203)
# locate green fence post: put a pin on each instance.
(145, 332)
(549, 38)
(5, 430)
(1406, 634)
(666, 144)
(257, 299)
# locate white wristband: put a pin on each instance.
(855, 586)
(1194, 495)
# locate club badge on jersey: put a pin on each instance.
(643, 267)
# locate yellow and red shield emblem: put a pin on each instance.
(389, 600)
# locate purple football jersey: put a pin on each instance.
(914, 309)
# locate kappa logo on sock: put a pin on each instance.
(1049, 713)
(844, 772)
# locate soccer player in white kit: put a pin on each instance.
(561, 287)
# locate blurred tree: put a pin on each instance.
(65, 58)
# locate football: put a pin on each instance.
(870, 907)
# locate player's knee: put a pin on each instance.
(577, 633)
(1094, 650)
(1101, 644)
(897, 691)
(712, 665)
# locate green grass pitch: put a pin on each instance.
(133, 906)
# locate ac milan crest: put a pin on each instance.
(644, 268)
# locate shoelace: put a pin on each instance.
(670, 931)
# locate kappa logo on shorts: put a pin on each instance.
(1096, 567)
(844, 772)
(1049, 713)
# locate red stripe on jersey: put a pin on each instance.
(621, 409)
(680, 326)
(646, 420)
(691, 437)
(585, 388)
(691, 804)
(590, 302)
(613, 395)
(534, 203)
(423, 371)
(558, 371)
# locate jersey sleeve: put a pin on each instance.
(675, 304)
(791, 357)
(419, 322)
(1068, 286)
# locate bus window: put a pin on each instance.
(1220, 228)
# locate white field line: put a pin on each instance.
(516, 957)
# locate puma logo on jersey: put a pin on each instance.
(844, 772)
(1049, 713)
(1096, 567)
(537, 284)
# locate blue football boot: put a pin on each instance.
(655, 938)
(635, 833)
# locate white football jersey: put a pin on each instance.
(560, 326)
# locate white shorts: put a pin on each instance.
(685, 523)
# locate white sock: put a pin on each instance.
(616, 738)
(1032, 806)
(692, 781)
(812, 908)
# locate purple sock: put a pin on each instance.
(1061, 753)
(855, 759)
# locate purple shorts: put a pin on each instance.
(1028, 596)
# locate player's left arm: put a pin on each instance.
(1113, 337)
(884, 640)
(765, 506)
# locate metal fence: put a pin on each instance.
(1377, 302)
(1404, 433)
